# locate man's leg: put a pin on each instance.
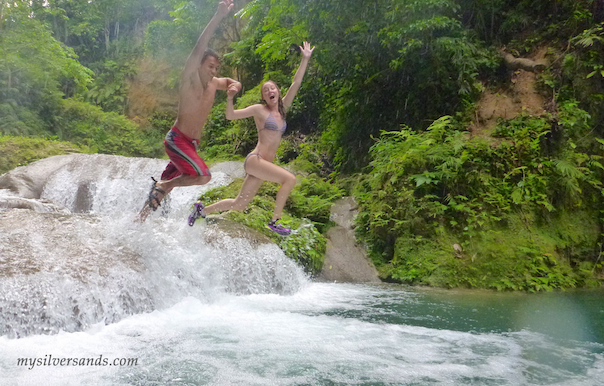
(167, 185)
(182, 180)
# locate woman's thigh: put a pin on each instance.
(267, 171)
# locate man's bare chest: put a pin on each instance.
(199, 99)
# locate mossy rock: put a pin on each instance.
(306, 244)
(19, 151)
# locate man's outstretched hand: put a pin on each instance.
(224, 7)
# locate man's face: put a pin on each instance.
(208, 69)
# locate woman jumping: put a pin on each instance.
(270, 122)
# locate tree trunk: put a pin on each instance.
(107, 34)
(117, 35)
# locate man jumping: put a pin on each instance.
(198, 87)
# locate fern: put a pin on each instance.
(568, 169)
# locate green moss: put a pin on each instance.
(19, 151)
(522, 255)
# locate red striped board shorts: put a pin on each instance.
(184, 159)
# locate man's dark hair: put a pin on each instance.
(210, 52)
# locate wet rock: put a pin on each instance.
(345, 259)
(219, 231)
(41, 206)
(28, 181)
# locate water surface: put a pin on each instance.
(336, 334)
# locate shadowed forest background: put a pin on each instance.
(469, 131)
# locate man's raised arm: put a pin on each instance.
(201, 46)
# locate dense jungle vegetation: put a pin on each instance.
(470, 169)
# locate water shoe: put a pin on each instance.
(196, 213)
(278, 228)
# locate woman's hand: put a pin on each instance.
(306, 50)
(231, 92)
(233, 89)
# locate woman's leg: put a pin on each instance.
(248, 190)
(268, 171)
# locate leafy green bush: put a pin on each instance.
(18, 120)
(312, 199)
(582, 73)
(109, 133)
(306, 154)
(109, 90)
(35, 71)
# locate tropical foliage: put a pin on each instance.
(430, 190)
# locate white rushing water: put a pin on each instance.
(86, 260)
(84, 293)
(306, 338)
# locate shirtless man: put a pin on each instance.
(198, 87)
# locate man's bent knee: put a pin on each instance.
(202, 180)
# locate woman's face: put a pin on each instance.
(270, 92)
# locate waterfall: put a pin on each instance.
(75, 257)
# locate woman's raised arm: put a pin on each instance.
(293, 89)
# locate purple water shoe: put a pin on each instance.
(278, 228)
(196, 213)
